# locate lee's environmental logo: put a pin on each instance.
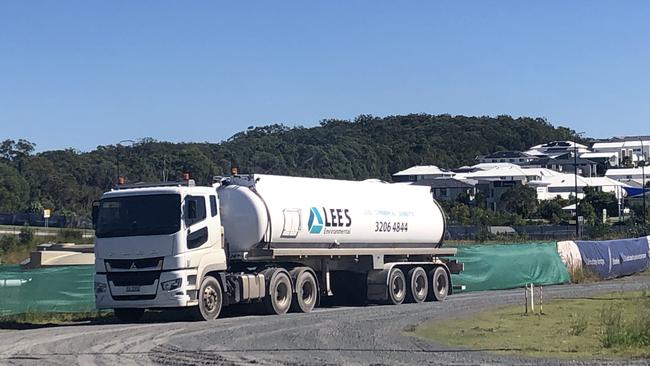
(315, 222)
(329, 221)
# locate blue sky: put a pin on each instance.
(77, 74)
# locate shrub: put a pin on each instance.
(7, 243)
(26, 236)
(579, 324)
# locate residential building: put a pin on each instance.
(556, 148)
(420, 172)
(566, 163)
(513, 157)
(629, 150)
(628, 175)
(449, 189)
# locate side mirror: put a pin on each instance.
(95, 213)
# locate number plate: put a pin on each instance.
(132, 288)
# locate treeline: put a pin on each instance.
(67, 181)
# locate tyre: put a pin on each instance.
(129, 315)
(278, 293)
(418, 285)
(396, 286)
(210, 299)
(439, 284)
(306, 295)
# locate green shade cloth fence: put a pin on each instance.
(54, 289)
(501, 266)
(487, 267)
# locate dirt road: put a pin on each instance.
(370, 335)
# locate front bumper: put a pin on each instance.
(149, 296)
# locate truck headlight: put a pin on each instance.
(100, 287)
(171, 284)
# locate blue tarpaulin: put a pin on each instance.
(614, 258)
(634, 191)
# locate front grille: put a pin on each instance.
(134, 297)
(134, 264)
(133, 278)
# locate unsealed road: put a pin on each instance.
(370, 335)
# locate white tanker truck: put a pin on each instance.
(284, 242)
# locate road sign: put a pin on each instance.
(46, 213)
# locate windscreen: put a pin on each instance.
(139, 215)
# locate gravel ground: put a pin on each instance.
(371, 335)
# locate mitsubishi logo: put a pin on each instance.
(133, 266)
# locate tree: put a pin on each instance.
(520, 200)
(552, 210)
(13, 189)
(586, 210)
(601, 200)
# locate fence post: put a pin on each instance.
(532, 298)
(526, 298)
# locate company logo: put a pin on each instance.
(315, 222)
(329, 221)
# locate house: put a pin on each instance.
(566, 163)
(564, 186)
(449, 189)
(514, 157)
(635, 175)
(603, 160)
(420, 172)
(630, 149)
(556, 148)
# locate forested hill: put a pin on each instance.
(368, 147)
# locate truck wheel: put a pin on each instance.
(419, 285)
(306, 292)
(129, 315)
(210, 299)
(396, 286)
(439, 284)
(278, 298)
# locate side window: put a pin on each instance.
(213, 206)
(194, 210)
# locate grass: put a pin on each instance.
(616, 325)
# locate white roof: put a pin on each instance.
(619, 144)
(560, 180)
(570, 143)
(498, 172)
(568, 180)
(603, 182)
(490, 166)
(606, 155)
(423, 170)
(625, 171)
(540, 172)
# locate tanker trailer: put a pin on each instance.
(284, 243)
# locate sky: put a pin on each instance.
(78, 74)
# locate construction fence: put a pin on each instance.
(487, 267)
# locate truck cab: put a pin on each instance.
(153, 243)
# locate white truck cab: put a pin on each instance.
(153, 243)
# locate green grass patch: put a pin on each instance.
(616, 325)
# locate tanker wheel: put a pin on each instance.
(279, 293)
(128, 315)
(419, 285)
(210, 299)
(306, 294)
(439, 284)
(396, 286)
